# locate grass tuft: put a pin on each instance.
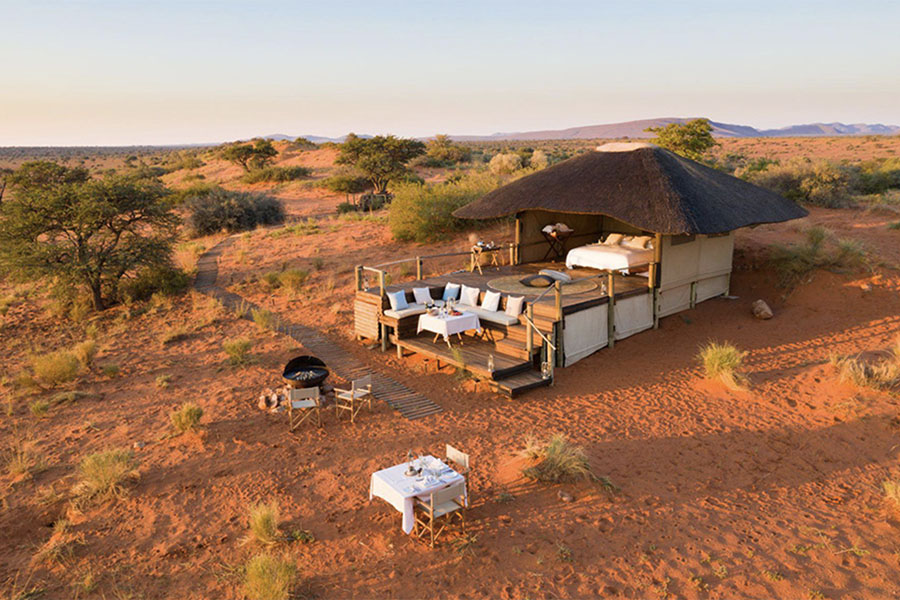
(238, 350)
(186, 418)
(722, 362)
(891, 489)
(61, 544)
(267, 577)
(103, 475)
(558, 460)
(55, 368)
(882, 374)
(264, 520)
(264, 319)
(85, 352)
(794, 264)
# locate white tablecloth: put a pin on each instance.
(399, 490)
(449, 325)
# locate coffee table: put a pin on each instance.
(447, 325)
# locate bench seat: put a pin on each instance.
(497, 317)
(410, 311)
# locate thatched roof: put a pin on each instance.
(643, 185)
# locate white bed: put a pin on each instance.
(608, 256)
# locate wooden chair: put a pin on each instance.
(352, 400)
(434, 512)
(303, 404)
(458, 461)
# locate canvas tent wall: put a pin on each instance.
(693, 269)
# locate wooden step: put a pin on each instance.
(471, 356)
(519, 333)
(517, 349)
(520, 383)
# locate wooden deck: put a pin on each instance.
(625, 286)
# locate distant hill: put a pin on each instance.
(636, 129)
(315, 139)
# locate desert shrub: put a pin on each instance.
(539, 160)
(230, 211)
(558, 460)
(346, 183)
(821, 183)
(891, 489)
(174, 335)
(186, 418)
(20, 458)
(111, 370)
(55, 368)
(277, 174)
(424, 213)
(795, 263)
(85, 352)
(346, 207)
(61, 544)
(877, 176)
(269, 578)
(264, 319)
(39, 408)
(165, 280)
(879, 374)
(103, 475)
(293, 279)
(722, 362)
(162, 381)
(441, 151)
(504, 164)
(263, 523)
(237, 349)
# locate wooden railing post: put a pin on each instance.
(611, 310)
(557, 285)
(518, 240)
(512, 254)
(357, 274)
(529, 339)
(419, 268)
(381, 284)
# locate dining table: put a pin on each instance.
(400, 490)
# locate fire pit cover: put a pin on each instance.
(305, 372)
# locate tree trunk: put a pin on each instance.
(97, 295)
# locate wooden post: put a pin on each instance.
(693, 294)
(518, 240)
(512, 254)
(611, 309)
(529, 339)
(557, 290)
(657, 257)
(381, 283)
(418, 268)
(357, 272)
(655, 308)
(384, 337)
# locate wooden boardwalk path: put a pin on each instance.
(407, 402)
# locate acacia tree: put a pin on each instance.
(250, 156)
(89, 233)
(380, 159)
(692, 139)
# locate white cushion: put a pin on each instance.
(409, 311)
(613, 239)
(398, 300)
(492, 316)
(422, 295)
(514, 305)
(451, 291)
(491, 301)
(469, 295)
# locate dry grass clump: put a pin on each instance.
(269, 578)
(61, 544)
(293, 279)
(797, 262)
(263, 522)
(558, 460)
(880, 375)
(173, 335)
(891, 489)
(238, 350)
(21, 459)
(264, 319)
(85, 352)
(102, 475)
(722, 362)
(55, 368)
(186, 418)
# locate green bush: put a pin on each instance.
(722, 362)
(186, 418)
(269, 578)
(504, 164)
(102, 475)
(424, 213)
(55, 368)
(820, 183)
(346, 184)
(165, 280)
(237, 349)
(278, 174)
(230, 211)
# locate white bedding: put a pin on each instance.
(601, 256)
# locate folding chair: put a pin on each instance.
(352, 400)
(303, 404)
(459, 461)
(440, 508)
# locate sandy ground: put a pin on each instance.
(770, 493)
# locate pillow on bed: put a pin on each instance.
(638, 242)
(469, 295)
(491, 301)
(613, 239)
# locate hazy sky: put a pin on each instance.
(155, 72)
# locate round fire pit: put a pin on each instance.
(305, 372)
